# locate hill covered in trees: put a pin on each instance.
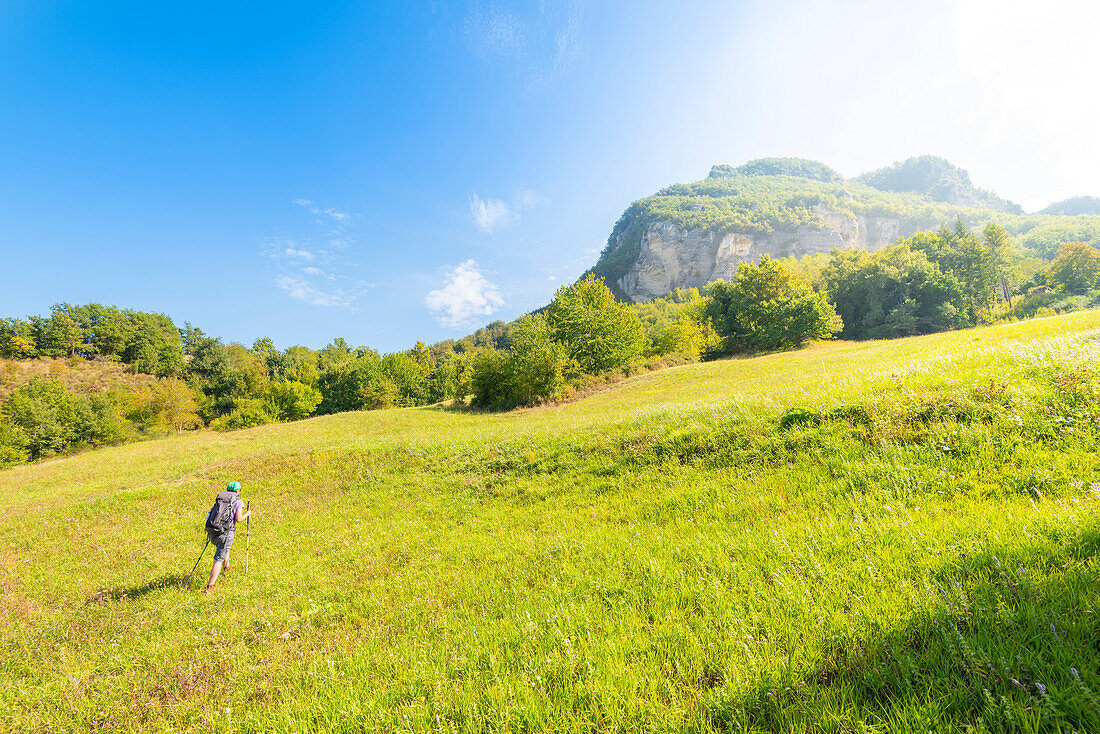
(797, 167)
(1075, 206)
(939, 180)
(687, 235)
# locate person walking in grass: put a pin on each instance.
(221, 521)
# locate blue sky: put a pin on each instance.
(388, 172)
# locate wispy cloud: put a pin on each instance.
(323, 213)
(466, 295)
(495, 32)
(314, 265)
(298, 254)
(529, 199)
(536, 44)
(491, 214)
(301, 289)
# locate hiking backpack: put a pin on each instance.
(222, 516)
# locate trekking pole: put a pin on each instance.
(200, 559)
(247, 529)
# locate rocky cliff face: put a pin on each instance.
(673, 258)
(689, 234)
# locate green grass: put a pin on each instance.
(876, 537)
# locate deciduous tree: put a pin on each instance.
(538, 361)
(598, 332)
(768, 307)
(1076, 269)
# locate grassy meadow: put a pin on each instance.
(857, 537)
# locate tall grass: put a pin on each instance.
(885, 536)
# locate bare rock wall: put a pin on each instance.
(673, 258)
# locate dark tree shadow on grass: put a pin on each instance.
(997, 647)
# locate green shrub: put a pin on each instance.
(799, 417)
(855, 414)
(493, 384)
(13, 444)
(248, 414)
(291, 401)
(381, 393)
(53, 420)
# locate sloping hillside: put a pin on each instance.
(1074, 207)
(78, 375)
(890, 536)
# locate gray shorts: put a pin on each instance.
(222, 544)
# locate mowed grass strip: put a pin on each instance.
(882, 536)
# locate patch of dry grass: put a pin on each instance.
(78, 375)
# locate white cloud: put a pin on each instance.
(465, 296)
(329, 211)
(301, 289)
(334, 213)
(298, 254)
(489, 214)
(314, 265)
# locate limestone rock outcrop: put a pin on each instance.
(670, 258)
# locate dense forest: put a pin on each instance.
(948, 278)
(1076, 206)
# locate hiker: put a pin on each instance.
(228, 510)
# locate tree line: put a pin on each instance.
(933, 281)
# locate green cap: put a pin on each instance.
(233, 487)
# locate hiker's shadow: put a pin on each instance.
(168, 581)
